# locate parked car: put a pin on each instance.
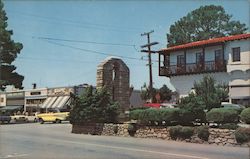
(19, 118)
(5, 118)
(53, 117)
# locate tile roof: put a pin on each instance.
(206, 42)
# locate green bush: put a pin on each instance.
(222, 115)
(203, 132)
(242, 135)
(231, 126)
(186, 132)
(180, 132)
(245, 115)
(131, 129)
(174, 131)
(115, 129)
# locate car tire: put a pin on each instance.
(58, 121)
(41, 121)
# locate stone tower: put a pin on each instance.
(114, 74)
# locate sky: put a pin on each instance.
(64, 41)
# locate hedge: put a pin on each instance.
(245, 115)
(168, 115)
(222, 115)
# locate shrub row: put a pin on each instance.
(168, 115)
(222, 115)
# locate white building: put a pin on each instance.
(227, 59)
(34, 98)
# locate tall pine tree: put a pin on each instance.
(204, 23)
(8, 53)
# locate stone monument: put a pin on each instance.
(113, 73)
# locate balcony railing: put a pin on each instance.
(193, 68)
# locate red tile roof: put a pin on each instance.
(206, 42)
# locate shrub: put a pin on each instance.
(222, 115)
(231, 126)
(180, 132)
(245, 115)
(131, 129)
(115, 129)
(203, 132)
(174, 131)
(186, 132)
(242, 135)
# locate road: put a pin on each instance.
(49, 141)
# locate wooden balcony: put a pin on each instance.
(193, 68)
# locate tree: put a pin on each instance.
(203, 23)
(8, 52)
(164, 91)
(94, 106)
(211, 94)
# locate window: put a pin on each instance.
(2, 100)
(180, 60)
(236, 54)
(35, 93)
(199, 57)
(166, 60)
(218, 55)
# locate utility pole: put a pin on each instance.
(148, 45)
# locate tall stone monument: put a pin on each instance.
(113, 73)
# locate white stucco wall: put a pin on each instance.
(183, 84)
(244, 63)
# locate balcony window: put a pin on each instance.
(166, 60)
(180, 60)
(199, 58)
(236, 54)
(218, 55)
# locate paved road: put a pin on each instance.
(55, 141)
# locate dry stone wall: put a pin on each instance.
(223, 137)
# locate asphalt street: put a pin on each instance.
(49, 141)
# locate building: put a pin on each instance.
(59, 98)
(34, 98)
(227, 59)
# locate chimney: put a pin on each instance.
(34, 85)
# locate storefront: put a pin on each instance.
(34, 98)
(58, 99)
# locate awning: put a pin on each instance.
(61, 102)
(11, 107)
(55, 102)
(58, 100)
(48, 102)
(35, 97)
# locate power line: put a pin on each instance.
(82, 23)
(92, 51)
(83, 41)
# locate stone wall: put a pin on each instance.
(223, 137)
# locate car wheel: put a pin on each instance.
(41, 121)
(58, 121)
